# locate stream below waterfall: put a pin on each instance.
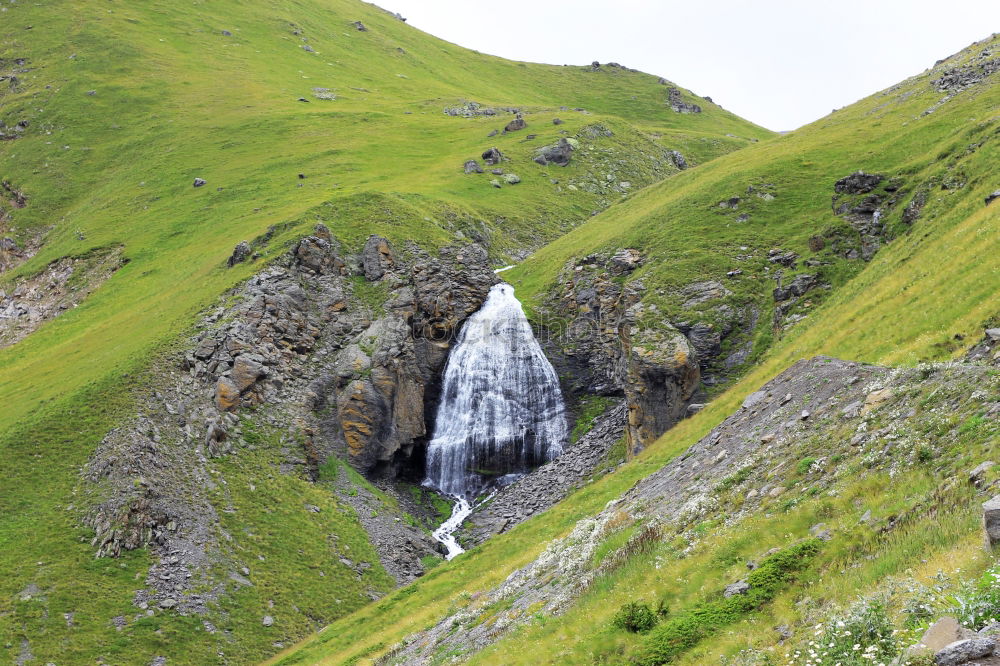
(501, 413)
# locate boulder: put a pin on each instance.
(558, 153)
(992, 196)
(240, 254)
(198, 182)
(991, 522)
(962, 652)
(739, 587)
(678, 159)
(316, 254)
(511, 178)
(227, 395)
(359, 26)
(472, 166)
(700, 292)
(377, 258)
(516, 124)
(492, 156)
(979, 472)
(246, 372)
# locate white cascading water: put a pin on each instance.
(501, 413)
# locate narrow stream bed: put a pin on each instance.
(446, 532)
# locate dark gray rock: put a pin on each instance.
(557, 121)
(559, 153)
(226, 33)
(492, 156)
(198, 182)
(472, 166)
(377, 258)
(992, 196)
(956, 79)
(676, 102)
(991, 521)
(241, 253)
(679, 160)
(516, 124)
(858, 182)
(308, 49)
(739, 587)
(359, 26)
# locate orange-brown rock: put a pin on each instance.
(227, 395)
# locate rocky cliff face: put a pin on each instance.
(342, 351)
(599, 333)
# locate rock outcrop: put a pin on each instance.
(376, 386)
(676, 102)
(614, 352)
(346, 350)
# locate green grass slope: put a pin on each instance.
(947, 156)
(124, 105)
(932, 283)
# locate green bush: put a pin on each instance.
(635, 617)
(687, 628)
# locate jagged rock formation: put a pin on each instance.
(614, 352)
(345, 348)
(678, 104)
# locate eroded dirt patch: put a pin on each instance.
(28, 302)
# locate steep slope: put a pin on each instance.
(330, 112)
(926, 295)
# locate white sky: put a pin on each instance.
(779, 63)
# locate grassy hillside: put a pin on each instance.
(119, 107)
(945, 157)
(930, 285)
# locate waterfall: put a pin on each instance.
(501, 411)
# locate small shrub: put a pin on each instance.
(925, 454)
(805, 464)
(635, 617)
